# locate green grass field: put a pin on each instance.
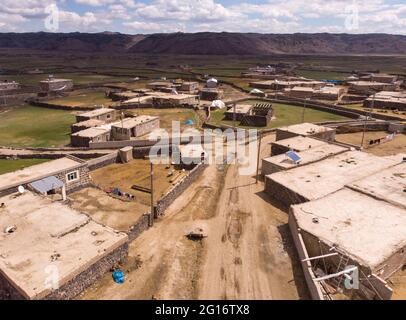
(35, 127)
(13, 165)
(322, 75)
(88, 99)
(285, 115)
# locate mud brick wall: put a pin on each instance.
(139, 227)
(178, 189)
(282, 193)
(89, 276)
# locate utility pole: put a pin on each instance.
(258, 155)
(366, 119)
(152, 215)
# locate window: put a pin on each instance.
(72, 176)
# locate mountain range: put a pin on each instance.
(209, 43)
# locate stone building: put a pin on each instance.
(365, 87)
(134, 127)
(211, 94)
(174, 100)
(296, 144)
(104, 114)
(319, 179)
(349, 229)
(394, 100)
(85, 137)
(189, 86)
(50, 251)
(7, 86)
(53, 84)
(83, 125)
(258, 115)
(71, 171)
(306, 130)
(282, 162)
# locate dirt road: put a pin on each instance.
(248, 253)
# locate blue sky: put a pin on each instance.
(151, 16)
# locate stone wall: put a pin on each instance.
(282, 193)
(89, 276)
(7, 291)
(178, 189)
(102, 161)
(139, 227)
(83, 181)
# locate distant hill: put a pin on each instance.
(208, 43)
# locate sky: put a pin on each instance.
(156, 16)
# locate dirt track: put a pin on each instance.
(247, 254)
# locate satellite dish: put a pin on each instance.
(21, 189)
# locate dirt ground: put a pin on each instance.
(248, 253)
(136, 172)
(398, 283)
(392, 147)
(115, 213)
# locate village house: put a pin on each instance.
(174, 100)
(366, 87)
(85, 137)
(387, 100)
(44, 238)
(83, 125)
(52, 84)
(134, 127)
(7, 86)
(211, 94)
(103, 114)
(370, 213)
(72, 172)
(306, 130)
(156, 85)
(189, 86)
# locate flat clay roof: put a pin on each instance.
(133, 122)
(366, 229)
(55, 80)
(308, 156)
(240, 108)
(388, 185)
(96, 112)
(37, 172)
(49, 234)
(321, 178)
(88, 123)
(91, 132)
(299, 143)
(305, 129)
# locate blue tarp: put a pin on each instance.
(118, 276)
(47, 184)
(189, 122)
